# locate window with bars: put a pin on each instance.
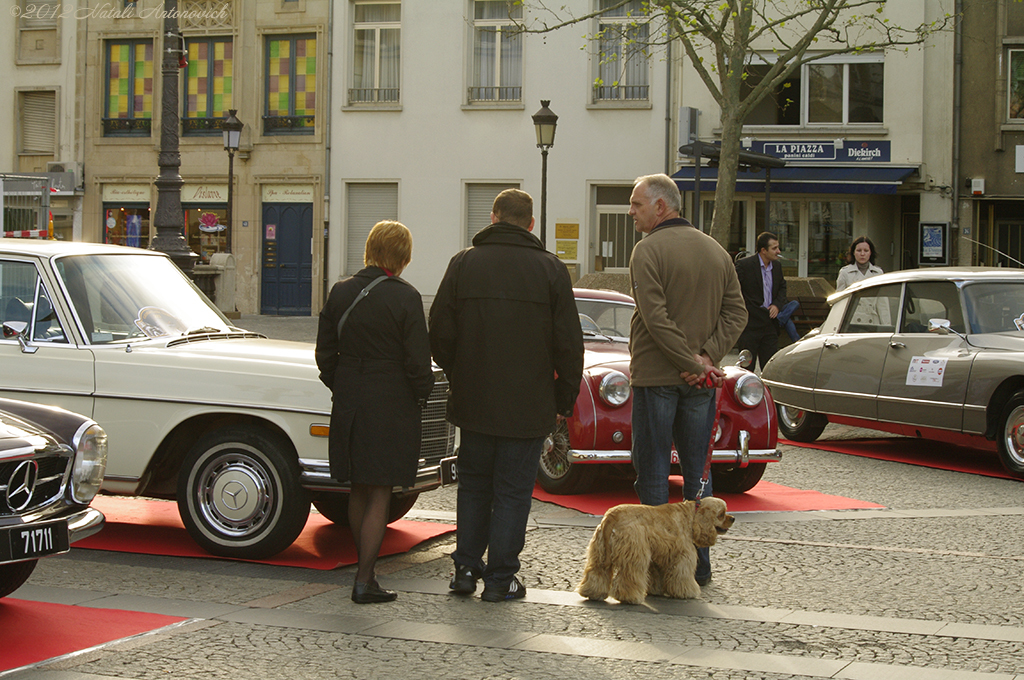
(129, 88)
(368, 203)
(290, 66)
(376, 61)
(479, 201)
(209, 85)
(623, 67)
(616, 232)
(497, 52)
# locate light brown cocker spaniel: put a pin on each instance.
(651, 549)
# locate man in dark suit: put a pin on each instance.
(764, 292)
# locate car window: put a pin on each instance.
(873, 310)
(608, 317)
(926, 300)
(995, 307)
(23, 299)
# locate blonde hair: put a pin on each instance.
(389, 246)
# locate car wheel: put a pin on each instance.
(557, 474)
(1011, 439)
(728, 479)
(800, 425)
(334, 506)
(13, 576)
(239, 494)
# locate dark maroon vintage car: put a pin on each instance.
(598, 437)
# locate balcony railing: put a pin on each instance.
(621, 92)
(127, 127)
(373, 95)
(299, 125)
(201, 126)
(495, 94)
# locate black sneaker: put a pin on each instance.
(703, 580)
(515, 590)
(463, 581)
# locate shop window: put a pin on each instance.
(291, 85)
(127, 225)
(129, 88)
(209, 85)
(207, 231)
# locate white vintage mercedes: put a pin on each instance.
(229, 423)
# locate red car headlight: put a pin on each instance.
(614, 388)
(749, 390)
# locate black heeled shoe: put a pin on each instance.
(368, 593)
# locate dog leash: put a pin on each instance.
(708, 383)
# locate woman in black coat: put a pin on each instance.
(378, 370)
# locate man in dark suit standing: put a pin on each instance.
(764, 292)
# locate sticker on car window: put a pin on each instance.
(1019, 322)
(926, 372)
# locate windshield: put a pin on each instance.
(995, 307)
(605, 318)
(124, 297)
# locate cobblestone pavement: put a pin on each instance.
(928, 587)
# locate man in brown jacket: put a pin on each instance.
(689, 314)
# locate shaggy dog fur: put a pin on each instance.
(643, 549)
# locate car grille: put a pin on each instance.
(438, 438)
(49, 483)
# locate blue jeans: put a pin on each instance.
(496, 478)
(784, 320)
(661, 415)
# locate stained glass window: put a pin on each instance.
(291, 85)
(208, 84)
(129, 107)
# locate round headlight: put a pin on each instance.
(90, 463)
(614, 389)
(749, 390)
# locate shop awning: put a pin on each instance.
(806, 179)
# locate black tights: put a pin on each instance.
(368, 518)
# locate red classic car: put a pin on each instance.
(597, 439)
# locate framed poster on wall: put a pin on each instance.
(934, 244)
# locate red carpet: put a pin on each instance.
(155, 528)
(765, 497)
(927, 453)
(36, 631)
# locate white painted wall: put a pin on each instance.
(433, 146)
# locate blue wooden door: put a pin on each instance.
(286, 287)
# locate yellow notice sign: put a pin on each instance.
(566, 250)
(567, 230)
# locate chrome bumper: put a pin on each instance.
(741, 457)
(85, 523)
(316, 476)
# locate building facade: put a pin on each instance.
(991, 129)
(867, 141)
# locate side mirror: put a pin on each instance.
(16, 330)
(941, 326)
(746, 359)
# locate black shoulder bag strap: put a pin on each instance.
(363, 293)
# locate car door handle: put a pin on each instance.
(831, 345)
(897, 345)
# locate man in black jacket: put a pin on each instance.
(505, 329)
(764, 292)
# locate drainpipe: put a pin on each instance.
(668, 108)
(327, 151)
(957, 105)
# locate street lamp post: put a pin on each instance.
(232, 132)
(544, 121)
(168, 217)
